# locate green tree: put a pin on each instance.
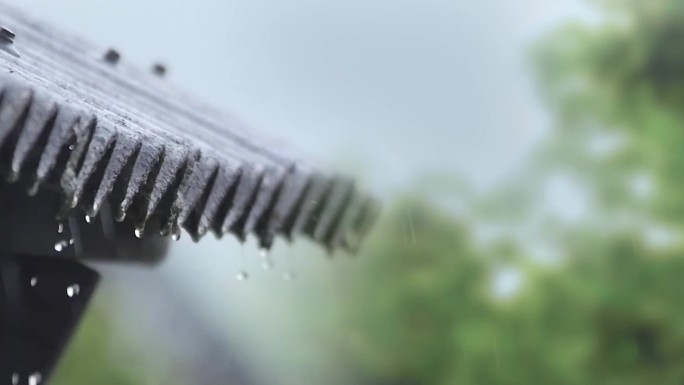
(608, 311)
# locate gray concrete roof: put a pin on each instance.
(76, 119)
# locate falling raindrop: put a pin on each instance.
(34, 281)
(35, 379)
(15, 379)
(242, 275)
(266, 260)
(289, 274)
(73, 290)
(60, 227)
(403, 230)
(139, 232)
(61, 245)
(411, 226)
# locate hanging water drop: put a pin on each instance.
(15, 379)
(61, 245)
(73, 290)
(60, 227)
(71, 147)
(88, 219)
(139, 232)
(71, 241)
(176, 235)
(175, 232)
(242, 275)
(34, 281)
(35, 379)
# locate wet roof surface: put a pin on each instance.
(76, 119)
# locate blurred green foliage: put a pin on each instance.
(99, 355)
(427, 313)
(607, 311)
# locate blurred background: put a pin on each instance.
(529, 159)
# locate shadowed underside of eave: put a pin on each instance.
(99, 132)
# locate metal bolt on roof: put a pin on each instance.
(159, 70)
(7, 41)
(112, 56)
(6, 34)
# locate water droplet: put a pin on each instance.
(34, 281)
(73, 290)
(71, 241)
(88, 219)
(411, 226)
(61, 245)
(289, 276)
(242, 276)
(60, 227)
(35, 379)
(139, 232)
(176, 235)
(263, 252)
(15, 379)
(267, 264)
(71, 147)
